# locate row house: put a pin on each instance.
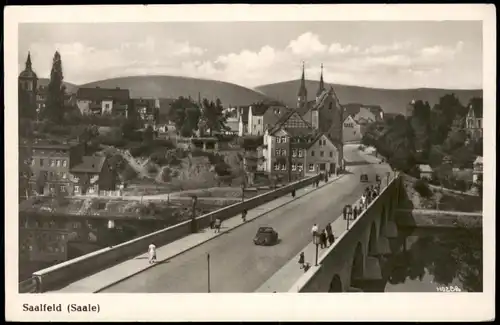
(295, 149)
(64, 168)
(103, 101)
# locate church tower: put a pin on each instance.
(302, 95)
(27, 88)
(321, 88)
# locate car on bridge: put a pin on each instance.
(266, 236)
(363, 178)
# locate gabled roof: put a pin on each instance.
(89, 164)
(318, 135)
(98, 94)
(283, 119)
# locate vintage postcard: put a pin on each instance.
(250, 162)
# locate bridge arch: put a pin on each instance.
(372, 241)
(358, 264)
(383, 221)
(336, 284)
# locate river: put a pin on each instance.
(433, 261)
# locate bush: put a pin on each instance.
(422, 188)
(129, 173)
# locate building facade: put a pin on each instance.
(322, 155)
(148, 109)
(351, 131)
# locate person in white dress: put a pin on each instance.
(152, 253)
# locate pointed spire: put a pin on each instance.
(321, 83)
(302, 89)
(28, 62)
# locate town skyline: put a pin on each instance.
(368, 54)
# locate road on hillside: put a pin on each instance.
(236, 264)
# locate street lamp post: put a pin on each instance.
(194, 227)
(316, 242)
(243, 191)
(208, 270)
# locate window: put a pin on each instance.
(64, 175)
(106, 105)
(276, 166)
(32, 162)
(258, 121)
(283, 167)
(254, 126)
(41, 162)
(62, 188)
(331, 154)
(283, 139)
(277, 151)
(294, 153)
(312, 153)
(278, 139)
(311, 167)
(294, 167)
(58, 163)
(300, 167)
(283, 152)
(300, 153)
(479, 123)
(321, 154)
(52, 163)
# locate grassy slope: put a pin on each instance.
(391, 100)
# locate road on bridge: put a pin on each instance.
(236, 264)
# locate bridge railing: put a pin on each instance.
(305, 280)
(61, 274)
(29, 286)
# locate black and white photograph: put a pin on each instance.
(248, 155)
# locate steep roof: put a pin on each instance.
(478, 110)
(98, 94)
(28, 72)
(318, 135)
(89, 164)
(244, 113)
(294, 131)
(259, 109)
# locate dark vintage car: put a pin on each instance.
(266, 236)
(363, 178)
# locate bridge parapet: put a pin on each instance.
(80, 267)
(354, 255)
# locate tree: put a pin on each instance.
(213, 115)
(148, 134)
(443, 114)
(420, 122)
(185, 113)
(55, 104)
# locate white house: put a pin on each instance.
(477, 174)
(351, 130)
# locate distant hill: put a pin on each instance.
(173, 87)
(391, 100)
(70, 88)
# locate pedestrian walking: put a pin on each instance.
(323, 239)
(302, 261)
(244, 215)
(314, 230)
(355, 212)
(217, 225)
(363, 200)
(331, 238)
(152, 253)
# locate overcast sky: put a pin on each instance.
(373, 54)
